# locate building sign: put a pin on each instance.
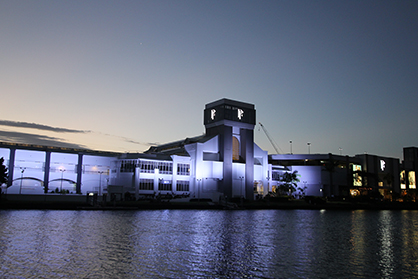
(240, 114)
(382, 165)
(212, 114)
(230, 111)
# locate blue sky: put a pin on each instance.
(121, 75)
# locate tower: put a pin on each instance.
(234, 123)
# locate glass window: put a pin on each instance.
(182, 186)
(165, 167)
(127, 166)
(235, 149)
(146, 166)
(183, 169)
(411, 180)
(146, 184)
(164, 185)
(403, 181)
(357, 175)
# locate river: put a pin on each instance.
(208, 244)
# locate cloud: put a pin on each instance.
(125, 139)
(39, 127)
(18, 137)
(29, 138)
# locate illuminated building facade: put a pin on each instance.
(409, 172)
(331, 175)
(224, 162)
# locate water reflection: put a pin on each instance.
(208, 244)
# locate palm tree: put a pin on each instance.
(3, 172)
(289, 183)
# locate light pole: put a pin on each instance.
(198, 189)
(309, 148)
(100, 182)
(291, 152)
(22, 170)
(62, 176)
(341, 150)
(242, 186)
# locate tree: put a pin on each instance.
(289, 182)
(3, 172)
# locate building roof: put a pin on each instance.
(177, 147)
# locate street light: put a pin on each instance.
(22, 170)
(309, 148)
(242, 186)
(62, 175)
(291, 152)
(100, 182)
(198, 189)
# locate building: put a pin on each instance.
(224, 162)
(331, 175)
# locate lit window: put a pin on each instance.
(235, 149)
(411, 180)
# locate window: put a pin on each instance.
(182, 186)
(146, 166)
(403, 180)
(127, 166)
(357, 175)
(235, 149)
(165, 167)
(164, 185)
(411, 180)
(183, 169)
(275, 175)
(146, 184)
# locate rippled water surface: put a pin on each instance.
(208, 244)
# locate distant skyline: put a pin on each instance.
(124, 75)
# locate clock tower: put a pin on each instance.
(234, 123)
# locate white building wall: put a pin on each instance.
(310, 177)
(261, 173)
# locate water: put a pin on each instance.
(208, 244)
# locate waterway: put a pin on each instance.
(208, 244)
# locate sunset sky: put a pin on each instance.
(123, 75)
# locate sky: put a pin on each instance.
(125, 75)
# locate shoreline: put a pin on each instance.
(163, 205)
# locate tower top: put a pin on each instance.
(225, 110)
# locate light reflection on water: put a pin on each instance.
(208, 244)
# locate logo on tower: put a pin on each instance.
(212, 114)
(240, 114)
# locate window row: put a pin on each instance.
(164, 185)
(183, 169)
(150, 166)
(146, 184)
